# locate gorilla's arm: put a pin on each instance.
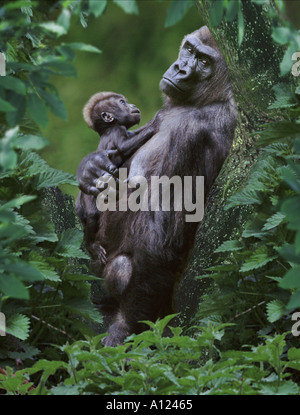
(98, 163)
(138, 138)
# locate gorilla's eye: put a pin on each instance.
(190, 49)
(204, 61)
(122, 101)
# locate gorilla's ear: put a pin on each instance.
(107, 117)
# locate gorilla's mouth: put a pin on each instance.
(135, 111)
(173, 84)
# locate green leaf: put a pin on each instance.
(216, 11)
(8, 159)
(129, 6)
(288, 251)
(18, 326)
(294, 302)
(287, 62)
(285, 97)
(24, 270)
(64, 19)
(53, 27)
(176, 11)
(83, 307)
(258, 259)
(6, 106)
(229, 246)
(37, 110)
(278, 131)
(291, 208)
(70, 244)
(294, 354)
(19, 103)
(56, 105)
(275, 310)
(13, 287)
(97, 7)
(273, 221)
(84, 47)
(30, 142)
(291, 175)
(13, 84)
(46, 271)
(241, 23)
(232, 10)
(59, 66)
(291, 279)
(281, 35)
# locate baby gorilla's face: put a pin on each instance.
(126, 114)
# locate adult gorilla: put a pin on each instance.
(192, 136)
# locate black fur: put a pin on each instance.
(148, 251)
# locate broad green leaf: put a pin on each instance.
(83, 307)
(6, 106)
(18, 326)
(84, 47)
(258, 259)
(97, 7)
(285, 97)
(13, 287)
(273, 221)
(70, 244)
(37, 110)
(59, 66)
(294, 353)
(288, 251)
(229, 246)
(176, 11)
(287, 62)
(281, 35)
(30, 142)
(290, 174)
(291, 208)
(17, 202)
(64, 19)
(241, 23)
(23, 270)
(294, 302)
(278, 131)
(13, 84)
(19, 103)
(232, 10)
(215, 12)
(129, 6)
(53, 27)
(18, 4)
(275, 310)
(291, 279)
(56, 105)
(8, 159)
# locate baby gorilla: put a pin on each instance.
(110, 115)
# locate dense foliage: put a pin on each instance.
(242, 341)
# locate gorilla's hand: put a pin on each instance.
(92, 167)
